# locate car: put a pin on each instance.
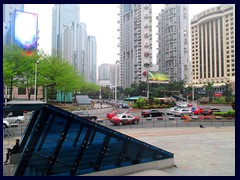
(170, 110)
(209, 111)
(182, 111)
(189, 105)
(125, 106)
(121, 119)
(14, 119)
(85, 115)
(113, 113)
(198, 111)
(152, 113)
(6, 124)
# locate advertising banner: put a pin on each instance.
(158, 77)
(26, 30)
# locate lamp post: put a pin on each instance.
(35, 86)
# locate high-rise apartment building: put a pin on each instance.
(8, 12)
(135, 42)
(62, 16)
(173, 42)
(213, 46)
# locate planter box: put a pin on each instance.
(160, 118)
(171, 118)
(229, 117)
(218, 117)
(148, 119)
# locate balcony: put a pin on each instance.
(146, 35)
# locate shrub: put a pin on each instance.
(231, 113)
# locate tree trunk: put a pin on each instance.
(29, 93)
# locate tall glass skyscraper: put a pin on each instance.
(62, 16)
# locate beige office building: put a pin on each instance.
(213, 47)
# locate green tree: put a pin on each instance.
(227, 92)
(209, 91)
(52, 69)
(18, 68)
(140, 102)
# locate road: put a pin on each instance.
(145, 122)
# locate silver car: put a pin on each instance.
(182, 111)
(170, 110)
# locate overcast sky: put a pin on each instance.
(101, 21)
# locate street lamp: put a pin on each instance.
(35, 86)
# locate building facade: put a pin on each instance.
(107, 74)
(62, 16)
(92, 60)
(173, 42)
(8, 12)
(70, 40)
(213, 47)
(75, 47)
(135, 27)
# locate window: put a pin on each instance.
(21, 91)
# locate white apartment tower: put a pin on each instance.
(62, 16)
(213, 47)
(135, 42)
(173, 42)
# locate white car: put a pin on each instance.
(14, 119)
(182, 111)
(6, 124)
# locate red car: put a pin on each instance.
(198, 111)
(121, 119)
(112, 114)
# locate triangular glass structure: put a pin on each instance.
(59, 143)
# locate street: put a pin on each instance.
(156, 122)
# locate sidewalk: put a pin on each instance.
(197, 151)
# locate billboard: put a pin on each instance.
(157, 77)
(25, 31)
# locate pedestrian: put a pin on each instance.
(10, 151)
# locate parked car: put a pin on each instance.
(209, 111)
(121, 119)
(85, 115)
(113, 113)
(125, 106)
(198, 111)
(182, 112)
(152, 113)
(6, 124)
(14, 119)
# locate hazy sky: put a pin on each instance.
(101, 21)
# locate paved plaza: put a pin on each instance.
(197, 151)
